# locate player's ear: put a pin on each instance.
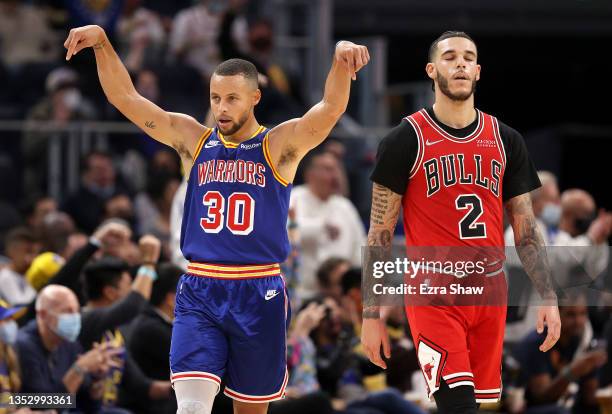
(430, 68)
(477, 72)
(256, 96)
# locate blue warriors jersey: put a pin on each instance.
(236, 203)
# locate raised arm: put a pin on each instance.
(291, 140)
(532, 252)
(383, 219)
(179, 131)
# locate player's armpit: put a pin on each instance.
(290, 141)
(530, 244)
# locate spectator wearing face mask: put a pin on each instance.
(547, 202)
(99, 185)
(62, 104)
(50, 357)
(580, 223)
(546, 208)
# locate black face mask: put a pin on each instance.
(582, 224)
(261, 44)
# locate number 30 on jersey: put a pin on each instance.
(239, 216)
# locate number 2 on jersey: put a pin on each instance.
(239, 217)
(468, 227)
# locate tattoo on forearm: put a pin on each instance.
(530, 245)
(150, 124)
(371, 312)
(385, 206)
(383, 218)
(99, 45)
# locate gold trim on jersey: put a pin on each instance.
(235, 145)
(266, 151)
(201, 141)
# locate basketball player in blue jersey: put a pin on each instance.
(231, 308)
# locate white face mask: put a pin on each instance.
(72, 98)
(551, 214)
(8, 332)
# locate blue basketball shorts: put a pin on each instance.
(231, 324)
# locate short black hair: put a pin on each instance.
(95, 153)
(233, 67)
(326, 268)
(351, 279)
(19, 235)
(157, 182)
(101, 273)
(309, 159)
(446, 35)
(168, 276)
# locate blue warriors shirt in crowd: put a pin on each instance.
(114, 376)
(5, 385)
(236, 204)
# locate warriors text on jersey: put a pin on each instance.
(236, 203)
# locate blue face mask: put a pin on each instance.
(68, 326)
(8, 332)
(551, 214)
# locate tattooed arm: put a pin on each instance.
(383, 218)
(530, 244)
(532, 252)
(176, 130)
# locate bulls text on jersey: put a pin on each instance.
(449, 170)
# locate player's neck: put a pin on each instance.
(247, 131)
(455, 114)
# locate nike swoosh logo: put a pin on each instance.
(211, 144)
(428, 142)
(268, 297)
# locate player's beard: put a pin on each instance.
(235, 125)
(461, 96)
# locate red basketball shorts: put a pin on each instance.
(461, 344)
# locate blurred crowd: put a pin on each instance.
(88, 281)
(170, 49)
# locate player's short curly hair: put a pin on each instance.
(446, 35)
(232, 67)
